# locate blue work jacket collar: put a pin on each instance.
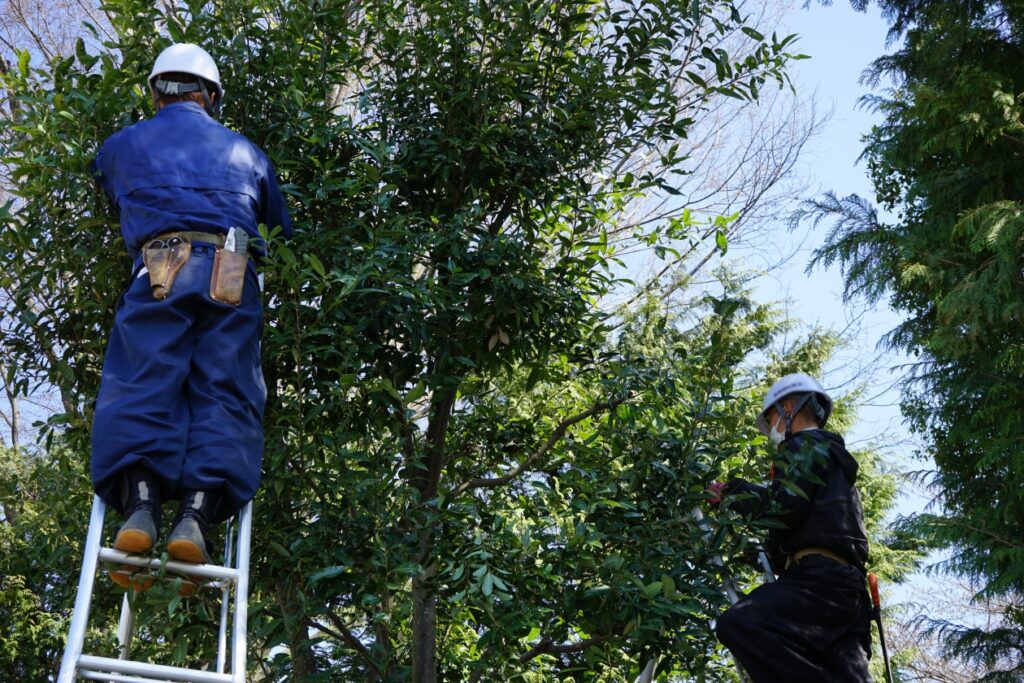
(182, 107)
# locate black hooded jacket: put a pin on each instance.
(816, 463)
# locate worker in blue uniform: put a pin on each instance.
(812, 625)
(180, 407)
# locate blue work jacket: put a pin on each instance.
(182, 170)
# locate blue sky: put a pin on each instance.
(841, 43)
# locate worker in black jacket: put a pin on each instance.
(813, 623)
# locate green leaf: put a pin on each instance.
(416, 392)
(668, 586)
(328, 572)
(721, 241)
(172, 604)
(318, 266)
(385, 384)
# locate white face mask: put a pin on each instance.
(775, 435)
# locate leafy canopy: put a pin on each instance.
(467, 475)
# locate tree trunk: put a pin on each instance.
(382, 648)
(424, 598)
(299, 645)
(424, 631)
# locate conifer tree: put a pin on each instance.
(947, 251)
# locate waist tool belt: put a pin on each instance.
(165, 255)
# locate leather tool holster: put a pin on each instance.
(164, 257)
(228, 277)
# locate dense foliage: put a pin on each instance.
(948, 172)
(468, 475)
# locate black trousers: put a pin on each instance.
(813, 625)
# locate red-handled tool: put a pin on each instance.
(877, 613)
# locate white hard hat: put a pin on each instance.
(800, 384)
(188, 59)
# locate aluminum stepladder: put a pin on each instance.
(732, 592)
(75, 664)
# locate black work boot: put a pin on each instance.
(187, 542)
(140, 500)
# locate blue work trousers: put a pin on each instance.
(182, 391)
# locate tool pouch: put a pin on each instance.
(228, 276)
(163, 259)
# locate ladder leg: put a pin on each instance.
(125, 626)
(240, 627)
(647, 675)
(225, 598)
(83, 599)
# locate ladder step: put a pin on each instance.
(118, 678)
(107, 669)
(209, 571)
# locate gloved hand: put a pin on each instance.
(716, 490)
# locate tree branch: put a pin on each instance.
(344, 634)
(546, 647)
(556, 435)
(432, 463)
(14, 419)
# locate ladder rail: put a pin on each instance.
(83, 599)
(125, 627)
(647, 675)
(225, 597)
(240, 627)
(207, 571)
(116, 678)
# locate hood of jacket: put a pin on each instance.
(837, 447)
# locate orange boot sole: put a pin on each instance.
(186, 551)
(134, 542)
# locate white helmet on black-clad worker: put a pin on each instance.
(808, 392)
(188, 59)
